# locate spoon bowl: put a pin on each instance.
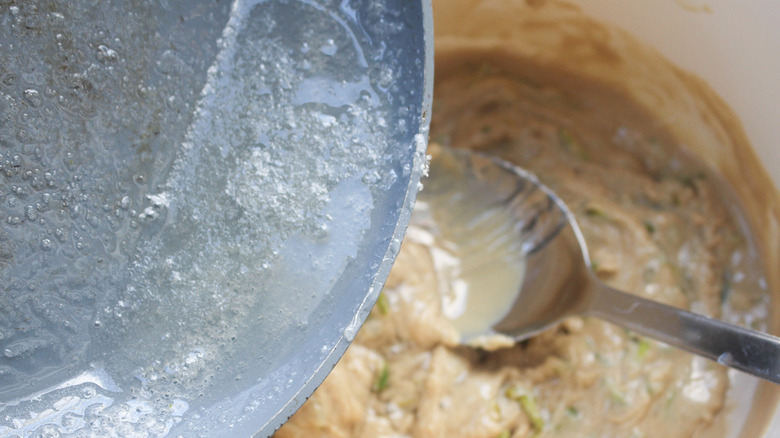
(558, 282)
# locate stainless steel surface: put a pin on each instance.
(558, 282)
(199, 204)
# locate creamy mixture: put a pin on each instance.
(657, 224)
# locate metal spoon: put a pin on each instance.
(558, 282)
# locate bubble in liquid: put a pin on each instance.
(106, 54)
(33, 97)
(46, 244)
(329, 48)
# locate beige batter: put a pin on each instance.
(658, 224)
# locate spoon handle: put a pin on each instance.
(737, 347)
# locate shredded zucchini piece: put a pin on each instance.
(570, 144)
(614, 392)
(382, 380)
(593, 211)
(528, 403)
(382, 305)
(642, 348)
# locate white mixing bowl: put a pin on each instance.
(708, 67)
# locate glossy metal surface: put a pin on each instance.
(200, 204)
